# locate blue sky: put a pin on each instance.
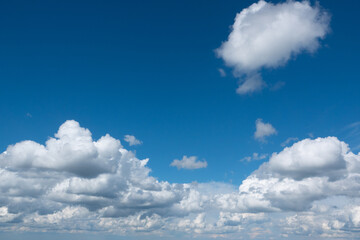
(151, 70)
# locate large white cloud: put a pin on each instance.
(309, 189)
(72, 150)
(267, 35)
(309, 158)
(74, 170)
(295, 178)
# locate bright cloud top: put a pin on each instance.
(267, 35)
(311, 189)
(73, 170)
(263, 130)
(308, 158)
(189, 163)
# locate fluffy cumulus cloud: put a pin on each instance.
(267, 35)
(292, 180)
(310, 158)
(132, 140)
(263, 130)
(75, 183)
(72, 175)
(189, 163)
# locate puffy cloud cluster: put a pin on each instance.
(74, 183)
(311, 158)
(311, 189)
(293, 179)
(267, 35)
(72, 175)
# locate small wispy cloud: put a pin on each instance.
(263, 130)
(254, 157)
(356, 148)
(352, 134)
(288, 141)
(353, 128)
(278, 85)
(251, 84)
(132, 140)
(222, 72)
(189, 163)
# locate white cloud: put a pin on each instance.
(132, 140)
(72, 150)
(355, 216)
(263, 130)
(42, 189)
(297, 177)
(74, 170)
(189, 163)
(233, 219)
(310, 158)
(267, 35)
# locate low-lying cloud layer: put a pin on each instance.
(75, 183)
(267, 35)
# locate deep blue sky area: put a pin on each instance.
(148, 68)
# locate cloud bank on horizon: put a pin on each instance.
(310, 188)
(267, 35)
